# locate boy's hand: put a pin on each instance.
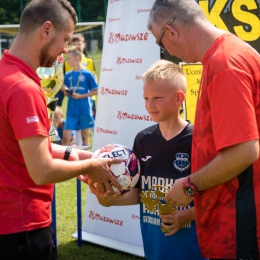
(105, 199)
(175, 221)
(77, 95)
(84, 178)
(65, 90)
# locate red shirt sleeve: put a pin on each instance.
(26, 107)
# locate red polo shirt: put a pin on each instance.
(24, 205)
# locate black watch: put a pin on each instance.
(67, 153)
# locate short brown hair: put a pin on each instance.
(76, 51)
(37, 12)
(78, 37)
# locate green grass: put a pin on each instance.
(66, 214)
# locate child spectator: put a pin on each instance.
(79, 86)
(59, 123)
(88, 64)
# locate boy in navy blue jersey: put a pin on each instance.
(164, 152)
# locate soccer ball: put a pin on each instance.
(127, 173)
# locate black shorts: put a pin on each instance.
(31, 245)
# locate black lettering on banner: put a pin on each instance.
(240, 17)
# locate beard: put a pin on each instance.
(46, 60)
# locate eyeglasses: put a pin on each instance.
(159, 39)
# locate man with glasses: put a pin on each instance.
(225, 179)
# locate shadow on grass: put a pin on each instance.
(89, 251)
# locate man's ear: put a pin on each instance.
(172, 31)
(46, 29)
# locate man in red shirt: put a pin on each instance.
(29, 163)
(225, 179)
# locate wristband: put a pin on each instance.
(190, 188)
(67, 153)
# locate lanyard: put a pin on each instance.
(77, 82)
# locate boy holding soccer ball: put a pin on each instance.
(164, 152)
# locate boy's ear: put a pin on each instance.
(180, 96)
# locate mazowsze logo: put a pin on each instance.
(98, 217)
(32, 119)
(135, 216)
(114, 1)
(107, 69)
(107, 91)
(124, 115)
(119, 37)
(121, 60)
(106, 131)
(143, 10)
(114, 19)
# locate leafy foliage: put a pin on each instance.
(88, 11)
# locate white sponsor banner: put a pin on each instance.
(129, 50)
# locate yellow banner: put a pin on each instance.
(193, 74)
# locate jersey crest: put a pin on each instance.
(182, 162)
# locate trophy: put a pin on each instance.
(51, 82)
(153, 199)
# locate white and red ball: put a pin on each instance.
(127, 173)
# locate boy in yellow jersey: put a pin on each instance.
(87, 63)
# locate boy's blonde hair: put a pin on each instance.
(166, 71)
(76, 51)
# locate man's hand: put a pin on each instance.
(100, 173)
(177, 195)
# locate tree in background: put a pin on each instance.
(87, 10)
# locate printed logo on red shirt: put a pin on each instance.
(32, 119)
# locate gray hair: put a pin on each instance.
(168, 72)
(187, 12)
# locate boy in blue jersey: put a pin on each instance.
(164, 152)
(79, 86)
